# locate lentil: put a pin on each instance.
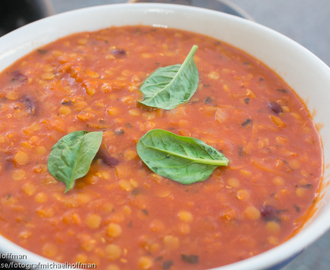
(114, 230)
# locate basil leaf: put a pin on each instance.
(170, 86)
(72, 156)
(183, 159)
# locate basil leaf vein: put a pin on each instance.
(183, 159)
(71, 157)
(170, 86)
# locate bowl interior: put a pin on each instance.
(302, 71)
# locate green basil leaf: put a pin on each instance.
(170, 86)
(183, 159)
(72, 156)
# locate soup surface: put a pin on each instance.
(121, 215)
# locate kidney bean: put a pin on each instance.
(118, 52)
(19, 77)
(107, 159)
(29, 104)
(275, 107)
(267, 212)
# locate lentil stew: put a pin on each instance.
(121, 215)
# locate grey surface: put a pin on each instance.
(306, 22)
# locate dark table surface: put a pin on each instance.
(306, 22)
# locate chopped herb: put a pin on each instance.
(206, 85)
(189, 258)
(129, 225)
(273, 218)
(159, 258)
(208, 100)
(145, 211)
(282, 90)
(307, 186)
(41, 51)
(136, 191)
(246, 63)
(248, 121)
(261, 79)
(67, 103)
(247, 100)
(281, 210)
(129, 125)
(167, 265)
(119, 132)
(297, 208)
(240, 150)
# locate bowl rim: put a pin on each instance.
(267, 259)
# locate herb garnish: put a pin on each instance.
(189, 258)
(72, 156)
(170, 86)
(208, 100)
(282, 90)
(183, 159)
(248, 121)
(167, 265)
(297, 208)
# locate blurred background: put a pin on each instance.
(305, 21)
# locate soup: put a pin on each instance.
(121, 214)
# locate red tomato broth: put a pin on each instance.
(122, 215)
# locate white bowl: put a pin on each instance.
(303, 71)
